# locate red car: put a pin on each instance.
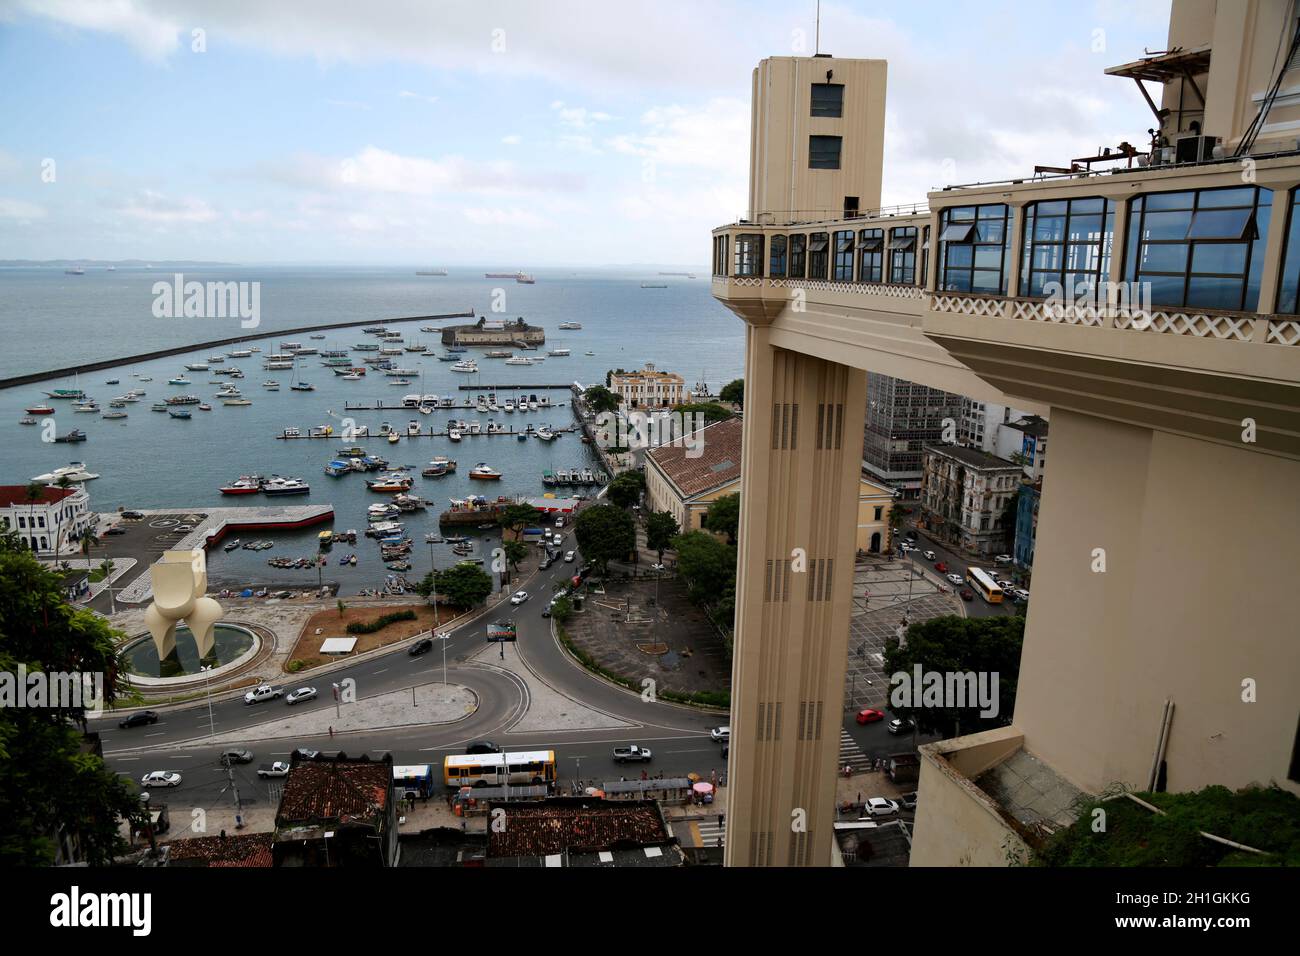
(967, 594)
(941, 567)
(869, 716)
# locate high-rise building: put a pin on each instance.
(1180, 378)
(902, 418)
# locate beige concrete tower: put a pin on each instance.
(816, 138)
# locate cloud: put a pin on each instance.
(19, 210)
(579, 117)
(408, 95)
(514, 139)
(150, 206)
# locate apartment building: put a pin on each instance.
(1024, 441)
(903, 417)
(968, 497)
(1153, 407)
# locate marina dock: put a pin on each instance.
(423, 433)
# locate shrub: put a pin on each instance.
(379, 623)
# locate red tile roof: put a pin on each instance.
(557, 825)
(717, 463)
(17, 495)
(235, 849)
(337, 790)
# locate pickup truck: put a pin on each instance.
(633, 753)
(263, 692)
(278, 769)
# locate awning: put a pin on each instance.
(957, 232)
(904, 242)
(817, 245)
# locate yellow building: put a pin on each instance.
(648, 388)
(685, 486)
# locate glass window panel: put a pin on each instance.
(1087, 205)
(990, 231)
(957, 232)
(871, 244)
(1223, 258)
(1226, 197)
(985, 281)
(960, 255)
(1038, 280)
(1049, 228)
(1166, 225)
(1222, 224)
(960, 213)
(905, 242)
(1057, 208)
(1082, 257)
(957, 282)
(827, 99)
(1164, 257)
(1211, 292)
(988, 257)
(1047, 257)
(1165, 290)
(1085, 228)
(1169, 201)
(993, 212)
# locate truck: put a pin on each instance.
(263, 692)
(633, 754)
(278, 769)
(903, 768)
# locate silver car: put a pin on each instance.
(301, 694)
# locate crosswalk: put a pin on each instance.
(851, 754)
(712, 833)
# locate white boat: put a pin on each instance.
(558, 352)
(273, 386)
(453, 434)
(197, 366)
(570, 325)
(240, 353)
(74, 471)
(519, 360)
(467, 365)
(238, 402)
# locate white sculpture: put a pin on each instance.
(180, 580)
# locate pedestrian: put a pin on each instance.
(331, 731)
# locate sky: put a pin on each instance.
(557, 133)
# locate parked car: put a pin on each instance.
(1003, 559)
(236, 755)
(133, 515)
(967, 594)
(483, 747)
(908, 801)
(116, 529)
(901, 725)
(559, 521)
(161, 778)
(263, 692)
(519, 597)
(1007, 585)
(278, 769)
(879, 807)
(941, 567)
(1020, 595)
(306, 754)
(301, 694)
(869, 716)
(546, 563)
(546, 611)
(569, 556)
(422, 646)
(929, 555)
(720, 733)
(138, 719)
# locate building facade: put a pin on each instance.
(1151, 408)
(965, 495)
(56, 513)
(981, 424)
(1027, 524)
(1024, 441)
(903, 417)
(648, 388)
(494, 332)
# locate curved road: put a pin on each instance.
(677, 735)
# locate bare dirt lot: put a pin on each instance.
(329, 623)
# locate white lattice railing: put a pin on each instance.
(1228, 326)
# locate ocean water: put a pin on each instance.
(149, 460)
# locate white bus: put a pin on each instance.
(983, 583)
(494, 770)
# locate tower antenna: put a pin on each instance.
(818, 41)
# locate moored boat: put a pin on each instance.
(483, 472)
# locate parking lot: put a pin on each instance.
(143, 539)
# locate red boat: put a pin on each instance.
(40, 410)
(246, 485)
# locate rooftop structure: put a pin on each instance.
(337, 812)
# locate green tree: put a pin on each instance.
(600, 399)
(88, 541)
(47, 781)
(724, 517)
(562, 609)
(63, 484)
(712, 411)
(515, 552)
(734, 392)
(461, 585)
(605, 533)
(706, 564)
(626, 490)
(957, 645)
(342, 607)
(516, 517)
(660, 529)
(33, 494)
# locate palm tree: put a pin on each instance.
(63, 484)
(35, 490)
(88, 541)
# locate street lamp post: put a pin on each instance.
(443, 637)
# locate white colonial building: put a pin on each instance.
(61, 514)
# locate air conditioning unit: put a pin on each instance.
(1194, 148)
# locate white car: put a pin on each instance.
(161, 778)
(1020, 594)
(569, 556)
(1007, 585)
(278, 769)
(906, 546)
(930, 556)
(1003, 559)
(720, 734)
(519, 597)
(302, 693)
(559, 522)
(880, 807)
(957, 579)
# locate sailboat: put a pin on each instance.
(298, 385)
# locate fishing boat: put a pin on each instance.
(90, 405)
(240, 353)
(413, 428)
(482, 472)
(205, 407)
(178, 380)
(433, 538)
(589, 352)
(545, 433)
(112, 381)
(159, 407)
(231, 546)
(197, 366)
(285, 486)
(75, 435)
(216, 359)
(71, 394)
(179, 413)
(498, 353)
(244, 485)
(40, 410)
(390, 483)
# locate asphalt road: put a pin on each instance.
(958, 564)
(677, 735)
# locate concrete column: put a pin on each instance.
(799, 494)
